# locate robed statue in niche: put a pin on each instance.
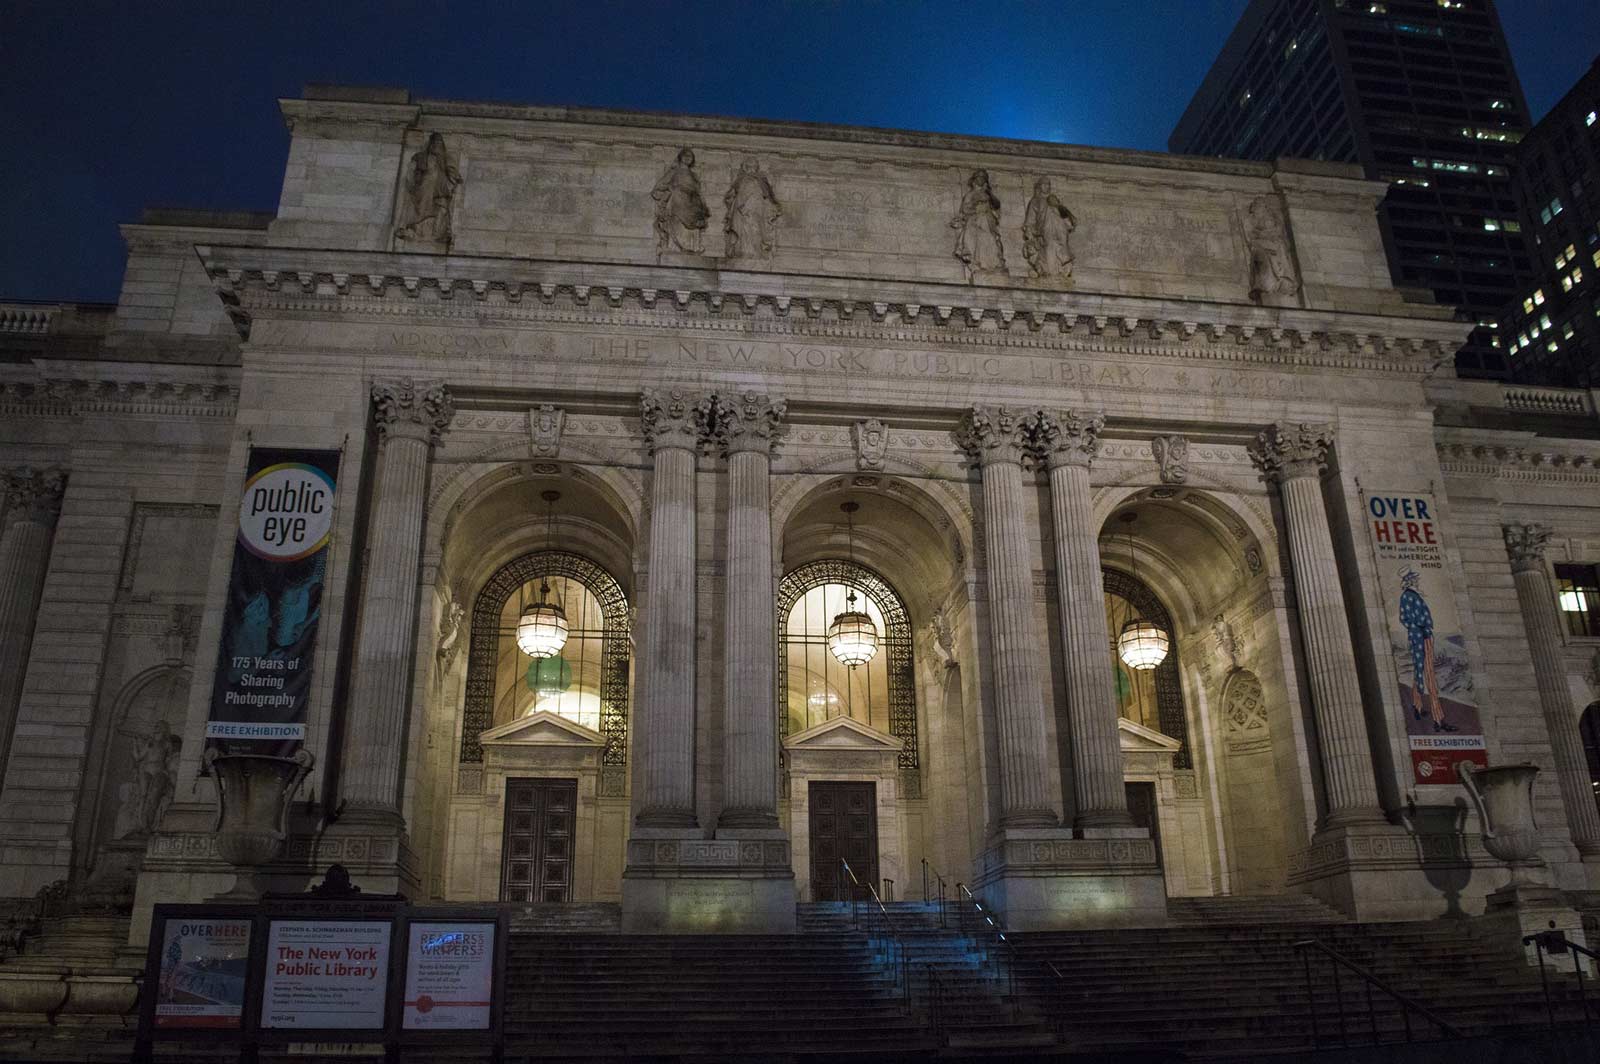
(1272, 274)
(143, 799)
(977, 227)
(429, 194)
(1045, 228)
(753, 213)
(681, 210)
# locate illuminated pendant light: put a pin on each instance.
(542, 628)
(1142, 644)
(852, 637)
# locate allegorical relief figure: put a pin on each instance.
(753, 212)
(145, 796)
(1272, 272)
(428, 195)
(1045, 228)
(681, 211)
(977, 227)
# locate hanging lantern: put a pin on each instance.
(852, 637)
(1142, 645)
(542, 628)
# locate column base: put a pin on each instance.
(1518, 910)
(1043, 879)
(740, 882)
(1378, 872)
(371, 844)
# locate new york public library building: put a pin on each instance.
(646, 512)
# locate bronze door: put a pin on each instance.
(1142, 807)
(844, 824)
(536, 858)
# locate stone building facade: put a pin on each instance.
(702, 337)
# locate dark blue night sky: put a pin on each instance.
(106, 108)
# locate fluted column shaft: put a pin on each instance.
(666, 673)
(1525, 545)
(33, 501)
(1292, 455)
(750, 720)
(1097, 779)
(994, 437)
(410, 417)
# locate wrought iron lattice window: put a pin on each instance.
(1174, 722)
(894, 702)
(488, 630)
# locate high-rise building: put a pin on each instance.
(1423, 95)
(1551, 331)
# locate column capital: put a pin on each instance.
(1066, 437)
(671, 419)
(33, 494)
(746, 421)
(411, 409)
(1289, 449)
(993, 435)
(1525, 544)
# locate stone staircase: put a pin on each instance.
(1250, 910)
(559, 918)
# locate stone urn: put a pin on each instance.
(1504, 797)
(253, 796)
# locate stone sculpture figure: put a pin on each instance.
(751, 224)
(1229, 645)
(1172, 458)
(1045, 228)
(1272, 272)
(450, 628)
(977, 227)
(872, 443)
(429, 194)
(144, 797)
(681, 210)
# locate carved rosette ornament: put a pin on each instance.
(1069, 437)
(1525, 544)
(872, 443)
(1172, 458)
(744, 422)
(33, 494)
(670, 418)
(1291, 449)
(991, 434)
(545, 424)
(410, 409)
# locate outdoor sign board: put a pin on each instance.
(200, 975)
(1437, 699)
(326, 974)
(449, 975)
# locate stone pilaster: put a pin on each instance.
(745, 426)
(1525, 545)
(1069, 443)
(410, 417)
(996, 438)
(32, 504)
(1291, 455)
(672, 428)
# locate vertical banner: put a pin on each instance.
(1430, 652)
(274, 601)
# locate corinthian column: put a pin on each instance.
(32, 503)
(745, 425)
(672, 427)
(1070, 441)
(1526, 544)
(410, 417)
(1292, 455)
(996, 438)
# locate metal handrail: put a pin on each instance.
(926, 869)
(995, 924)
(1338, 960)
(898, 946)
(1554, 941)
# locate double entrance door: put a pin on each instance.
(844, 824)
(536, 856)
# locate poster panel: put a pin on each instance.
(326, 974)
(449, 976)
(1443, 727)
(201, 980)
(274, 602)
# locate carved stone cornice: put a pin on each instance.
(1525, 545)
(1070, 437)
(33, 494)
(746, 421)
(994, 434)
(1290, 449)
(1519, 460)
(671, 418)
(410, 409)
(76, 396)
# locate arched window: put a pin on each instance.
(1153, 697)
(587, 682)
(1589, 729)
(813, 687)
